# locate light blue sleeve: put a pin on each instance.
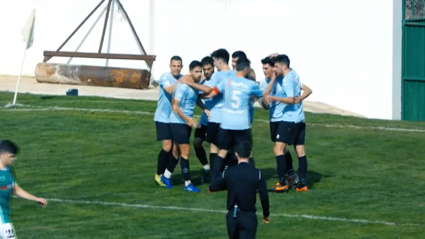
(256, 91)
(165, 81)
(180, 92)
(288, 86)
(263, 85)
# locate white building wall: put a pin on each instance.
(342, 49)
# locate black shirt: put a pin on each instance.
(242, 182)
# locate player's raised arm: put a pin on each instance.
(270, 85)
(28, 196)
(204, 88)
(215, 91)
(188, 80)
(166, 84)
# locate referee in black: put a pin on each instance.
(242, 183)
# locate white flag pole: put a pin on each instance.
(19, 78)
(28, 34)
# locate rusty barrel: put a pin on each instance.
(92, 76)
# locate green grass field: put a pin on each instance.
(367, 177)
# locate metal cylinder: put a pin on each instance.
(92, 76)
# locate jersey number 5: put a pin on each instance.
(236, 100)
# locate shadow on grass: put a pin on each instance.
(312, 176)
(48, 97)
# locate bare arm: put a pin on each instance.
(306, 92)
(287, 100)
(213, 93)
(270, 85)
(203, 88)
(188, 80)
(25, 195)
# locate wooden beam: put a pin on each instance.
(50, 54)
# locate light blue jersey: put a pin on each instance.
(215, 104)
(204, 118)
(292, 88)
(7, 182)
(237, 92)
(163, 108)
(276, 107)
(187, 97)
(264, 83)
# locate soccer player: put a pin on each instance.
(235, 124)
(201, 130)
(275, 112)
(251, 75)
(215, 104)
(181, 124)
(239, 54)
(291, 129)
(167, 83)
(163, 110)
(8, 152)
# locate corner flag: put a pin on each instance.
(28, 37)
(28, 30)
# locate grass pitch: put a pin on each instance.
(367, 177)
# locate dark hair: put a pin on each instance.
(243, 150)
(242, 63)
(222, 54)
(238, 54)
(176, 58)
(8, 146)
(268, 61)
(284, 59)
(207, 61)
(194, 64)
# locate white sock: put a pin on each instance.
(186, 183)
(167, 174)
(206, 167)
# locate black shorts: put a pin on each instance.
(227, 139)
(288, 132)
(163, 131)
(201, 132)
(212, 132)
(180, 133)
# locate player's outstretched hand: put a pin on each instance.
(192, 123)
(273, 55)
(41, 201)
(266, 220)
